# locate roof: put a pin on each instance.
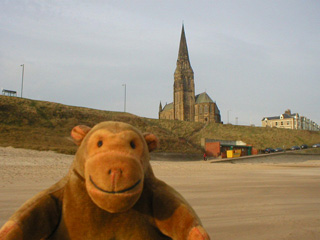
(284, 116)
(183, 48)
(271, 118)
(235, 143)
(203, 98)
(168, 107)
(183, 62)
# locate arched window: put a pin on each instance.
(212, 108)
(206, 108)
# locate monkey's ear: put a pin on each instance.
(152, 141)
(78, 133)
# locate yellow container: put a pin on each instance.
(229, 153)
(233, 153)
(237, 153)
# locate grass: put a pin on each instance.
(40, 125)
(260, 137)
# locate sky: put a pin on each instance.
(254, 58)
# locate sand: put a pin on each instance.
(273, 198)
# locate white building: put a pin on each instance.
(290, 120)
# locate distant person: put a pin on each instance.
(205, 156)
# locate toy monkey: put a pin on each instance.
(110, 192)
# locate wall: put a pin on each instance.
(166, 114)
(204, 112)
(212, 149)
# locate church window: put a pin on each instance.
(205, 108)
(200, 109)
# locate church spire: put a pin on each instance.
(183, 87)
(183, 48)
(183, 56)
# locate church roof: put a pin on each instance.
(168, 107)
(203, 98)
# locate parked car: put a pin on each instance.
(295, 148)
(316, 145)
(278, 150)
(269, 150)
(304, 146)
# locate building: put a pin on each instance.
(187, 106)
(290, 120)
(9, 93)
(216, 148)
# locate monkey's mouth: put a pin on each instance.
(114, 192)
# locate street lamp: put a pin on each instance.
(22, 65)
(228, 115)
(125, 96)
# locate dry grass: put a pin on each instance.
(39, 125)
(260, 137)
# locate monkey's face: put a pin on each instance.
(113, 158)
(114, 169)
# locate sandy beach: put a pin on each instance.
(274, 198)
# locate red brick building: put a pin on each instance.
(216, 148)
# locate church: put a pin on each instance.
(186, 105)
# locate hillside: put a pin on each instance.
(40, 125)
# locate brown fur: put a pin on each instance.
(109, 193)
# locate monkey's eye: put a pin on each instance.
(100, 143)
(132, 145)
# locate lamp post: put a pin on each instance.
(22, 65)
(125, 96)
(228, 115)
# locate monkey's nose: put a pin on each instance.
(115, 174)
(113, 171)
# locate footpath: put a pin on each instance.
(257, 156)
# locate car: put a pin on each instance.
(295, 148)
(269, 150)
(278, 150)
(316, 145)
(304, 146)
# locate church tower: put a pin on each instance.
(183, 89)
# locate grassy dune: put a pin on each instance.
(40, 125)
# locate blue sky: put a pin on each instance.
(254, 58)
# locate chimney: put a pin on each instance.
(288, 111)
